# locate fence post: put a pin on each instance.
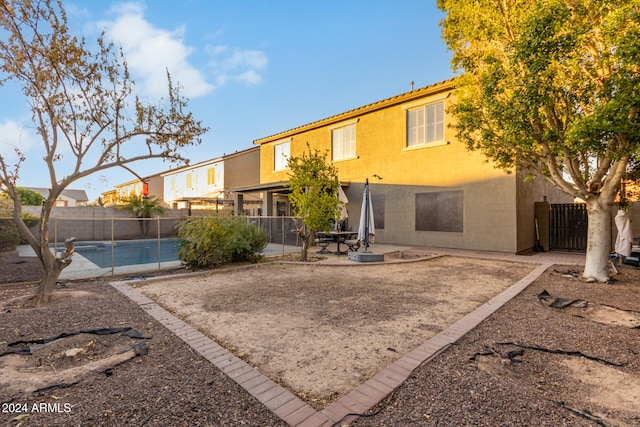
(113, 247)
(158, 222)
(55, 236)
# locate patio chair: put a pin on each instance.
(353, 245)
(323, 242)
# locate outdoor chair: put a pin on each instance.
(323, 242)
(353, 245)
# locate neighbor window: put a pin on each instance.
(425, 125)
(281, 155)
(343, 142)
(188, 182)
(211, 176)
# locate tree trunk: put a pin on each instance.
(305, 248)
(598, 241)
(51, 268)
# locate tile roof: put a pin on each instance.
(403, 97)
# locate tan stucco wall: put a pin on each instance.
(242, 170)
(490, 219)
(488, 215)
(528, 193)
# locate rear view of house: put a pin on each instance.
(427, 188)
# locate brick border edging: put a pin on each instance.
(287, 405)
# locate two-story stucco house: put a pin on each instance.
(209, 184)
(427, 188)
(149, 186)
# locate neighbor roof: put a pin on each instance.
(78, 195)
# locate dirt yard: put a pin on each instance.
(321, 331)
(562, 352)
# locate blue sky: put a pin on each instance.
(250, 68)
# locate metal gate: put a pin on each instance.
(568, 227)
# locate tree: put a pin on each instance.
(313, 184)
(552, 87)
(143, 208)
(83, 109)
(30, 197)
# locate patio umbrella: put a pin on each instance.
(343, 198)
(367, 228)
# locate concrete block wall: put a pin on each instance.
(99, 224)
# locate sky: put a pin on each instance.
(250, 68)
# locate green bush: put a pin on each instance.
(10, 236)
(210, 241)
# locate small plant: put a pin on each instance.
(210, 241)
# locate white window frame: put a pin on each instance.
(281, 154)
(426, 125)
(343, 148)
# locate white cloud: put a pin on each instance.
(151, 51)
(239, 65)
(15, 135)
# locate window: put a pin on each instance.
(343, 142)
(188, 182)
(211, 176)
(425, 125)
(281, 156)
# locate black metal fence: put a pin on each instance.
(280, 229)
(568, 227)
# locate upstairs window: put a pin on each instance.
(425, 125)
(343, 142)
(281, 156)
(211, 176)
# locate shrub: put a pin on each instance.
(210, 241)
(9, 235)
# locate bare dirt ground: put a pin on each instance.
(319, 330)
(322, 331)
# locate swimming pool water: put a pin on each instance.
(130, 253)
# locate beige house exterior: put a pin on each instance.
(122, 192)
(209, 184)
(427, 188)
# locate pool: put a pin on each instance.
(129, 252)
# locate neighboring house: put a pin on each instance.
(427, 188)
(68, 198)
(210, 184)
(152, 185)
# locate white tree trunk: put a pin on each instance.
(598, 242)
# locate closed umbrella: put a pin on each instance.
(367, 228)
(343, 198)
(624, 240)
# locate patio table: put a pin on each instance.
(338, 237)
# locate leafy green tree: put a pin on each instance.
(30, 197)
(552, 87)
(313, 186)
(84, 109)
(144, 208)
